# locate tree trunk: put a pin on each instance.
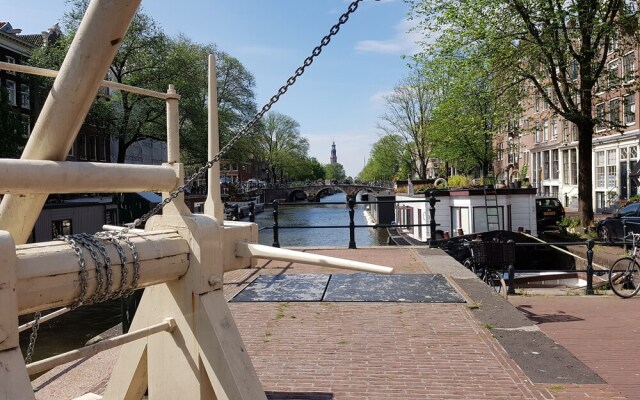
(585, 182)
(122, 151)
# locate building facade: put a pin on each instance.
(541, 148)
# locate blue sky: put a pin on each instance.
(340, 97)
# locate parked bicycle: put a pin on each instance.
(624, 274)
(489, 260)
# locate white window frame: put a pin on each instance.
(629, 68)
(10, 60)
(632, 109)
(601, 116)
(12, 89)
(25, 96)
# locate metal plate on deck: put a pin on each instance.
(412, 288)
(292, 287)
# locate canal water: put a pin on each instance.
(74, 329)
(314, 214)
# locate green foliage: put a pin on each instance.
(384, 159)
(335, 172)
(523, 172)
(458, 181)
(567, 223)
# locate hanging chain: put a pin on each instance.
(247, 129)
(33, 337)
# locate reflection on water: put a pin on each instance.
(316, 215)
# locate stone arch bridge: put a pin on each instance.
(316, 192)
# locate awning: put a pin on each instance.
(150, 197)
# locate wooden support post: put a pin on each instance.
(213, 205)
(14, 381)
(173, 128)
(207, 357)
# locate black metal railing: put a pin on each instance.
(351, 203)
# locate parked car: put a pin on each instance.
(612, 228)
(549, 211)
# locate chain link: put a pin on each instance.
(33, 337)
(247, 129)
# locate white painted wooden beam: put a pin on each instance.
(40, 176)
(168, 325)
(48, 271)
(274, 253)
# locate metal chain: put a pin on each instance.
(100, 292)
(136, 262)
(84, 275)
(247, 129)
(113, 239)
(106, 263)
(33, 337)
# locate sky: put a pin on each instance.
(341, 95)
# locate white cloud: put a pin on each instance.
(378, 99)
(403, 42)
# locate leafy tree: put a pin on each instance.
(471, 108)
(559, 48)
(335, 172)
(148, 58)
(384, 159)
(408, 114)
(12, 134)
(282, 147)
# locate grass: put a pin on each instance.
(281, 309)
(474, 306)
(488, 327)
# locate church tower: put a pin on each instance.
(334, 157)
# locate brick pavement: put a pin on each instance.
(404, 351)
(382, 350)
(601, 331)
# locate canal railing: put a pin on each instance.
(351, 204)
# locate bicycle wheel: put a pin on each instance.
(492, 278)
(624, 277)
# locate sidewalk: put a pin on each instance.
(482, 349)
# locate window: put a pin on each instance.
(82, 147)
(61, 227)
(633, 152)
(565, 131)
(536, 137)
(554, 129)
(614, 112)
(545, 165)
(600, 169)
(574, 166)
(623, 153)
(545, 130)
(11, 89)
(25, 96)
(10, 60)
(101, 149)
(599, 117)
(628, 66)
(612, 74)
(573, 70)
(566, 177)
(26, 126)
(629, 109)
(499, 151)
(574, 132)
(537, 103)
(555, 171)
(611, 169)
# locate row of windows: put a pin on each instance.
(613, 78)
(549, 129)
(612, 115)
(25, 94)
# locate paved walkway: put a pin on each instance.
(601, 331)
(483, 349)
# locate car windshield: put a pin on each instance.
(548, 202)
